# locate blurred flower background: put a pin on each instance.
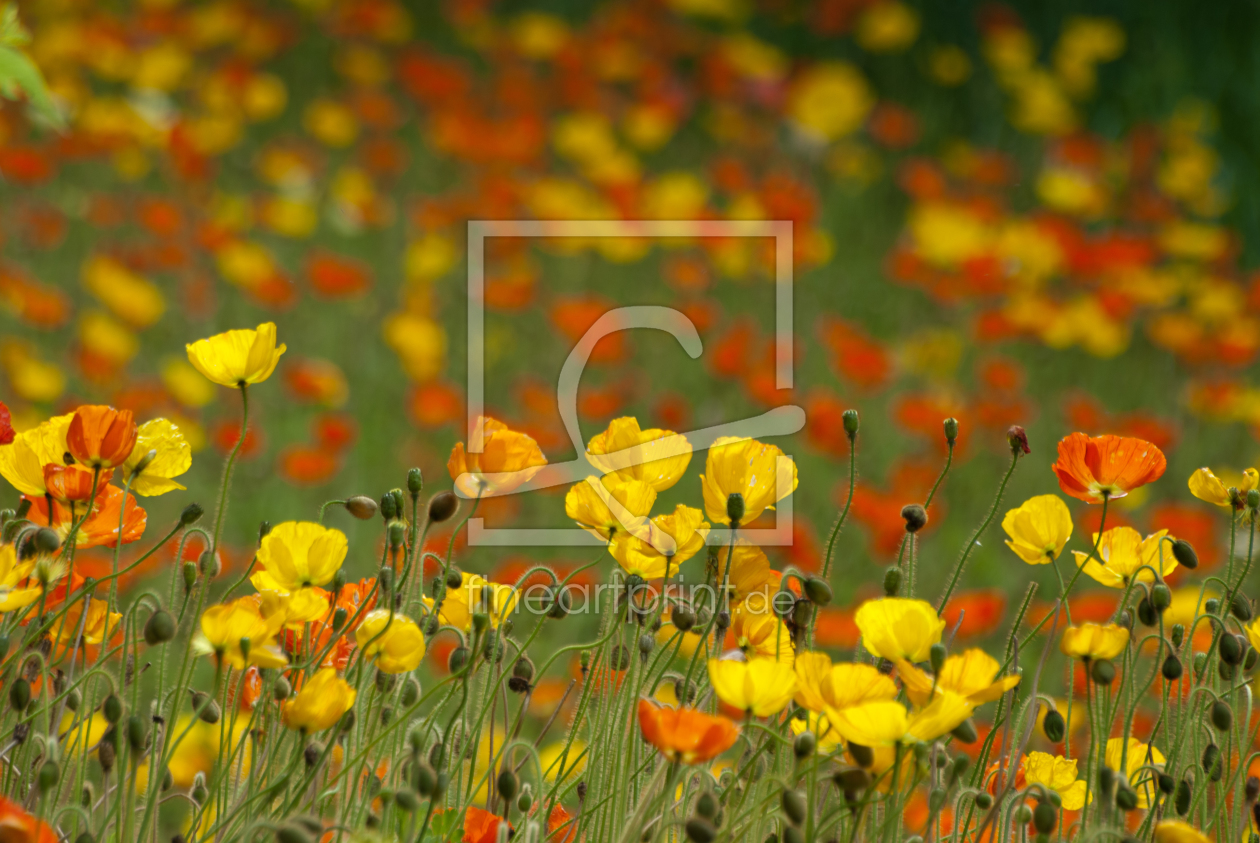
(1007, 214)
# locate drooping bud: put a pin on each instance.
(191, 515)
(965, 731)
(915, 516)
(793, 806)
(818, 591)
(1184, 553)
(190, 576)
(1240, 607)
(442, 506)
(1221, 715)
(208, 563)
(682, 618)
(112, 708)
(159, 628)
(507, 783)
(1017, 438)
(936, 657)
(1103, 672)
(1054, 726)
(361, 507)
(804, 745)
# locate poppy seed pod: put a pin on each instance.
(1184, 553)
(735, 508)
(1221, 715)
(1240, 607)
(1171, 668)
(682, 618)
(442, 506)
(361, 507)
(915, 516)
(1231, 648)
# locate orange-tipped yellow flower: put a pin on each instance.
(238, 358)
(759, 686)
(22, 461)
(460, 603)
(66, 483)
(239, 635)
(899, 628)
(1038, 529)
(971, 674)
(1124, 554)
(1094, 641)
(101, 437)
(320, 704)
(1206, 486)
(610, 506)
(821, 685)
(684, 734)
(759, 472)
(172, 456)
(760, 632)
(1130, 758)
(98, 625)
(670, 540)
(1058, 774)
(299, 554)
(1092, 468)
(653, 456)
(1180, 831)
(394, 641)
(12, 572)
(507, 460)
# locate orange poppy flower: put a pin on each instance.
(559, 825)
(100, 436)
(101, 527)
(19, 826)
(481, 826)
(685, 734)
(66, 483)
(1093, 468)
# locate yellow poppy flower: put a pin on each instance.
(610, 505)
(877, 723)
(1206, 486)
(821, 684)
(759, 686)
(945, 714)
(899, 628)
(828, 738)
(11, 573)
(750, 574)
(508, 458)
(395, 642)
(22, 461)
(240, 635)
(653, 456)
(173, 458)
(240, 357)
(1123, 552)
(971, 674)
(651, 556)
(1180, 831)
(460, 603)
(298, 554)
(1038, 529)
(1058, 774)
(98, 625)
(761, 473)
(1094, 641)
(1131, 758)
(321, 702)
(761, 634)
(294, 608)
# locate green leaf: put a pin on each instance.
(17, 71)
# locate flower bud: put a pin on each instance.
(389, 507)
(361, 507)
(264, 530)
(1171, 669)
(682, 618)
(426, 778)
(1178, 635)
(1251, 789)
(1240, 607)
(106, 754)
(1221, 715)
(523, 669)
(1181, 801)
(1125, 619)
(1211, 762)
(406, 800)
(818, 591)
(46, 541)
(399, 501)
(1166, 783)
(1253, 498)
(385, 579)
(700, 830)
(735, 508)
(74, 699)
(191, 514)
(965, 731)
(850, 421)
(863, 756)
(137, 734)
(1126, 798)
(397, 535)
(936, 657)
(190, 576)
(1054, 726)
(442, 506)
(1232, 648)
(647, 643)
(457, 659)
(793, 806)
(205, 707)
(984, 801)
(892, 582)
(159, 628)
(480, 621)
(915, 517)
(282, 689)
(1106, 778)
(1017, 438)
(1184, 553)
(19, 694)
(508, 784)
(1146, 613)
(49, 773)
(112, 708)
(415, 481)
(1200, 663)
(619, 659)
(208, 563)
(1161, 597)
(560, 604)
(1023, 815)
(1103, 672)
(804, 745)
